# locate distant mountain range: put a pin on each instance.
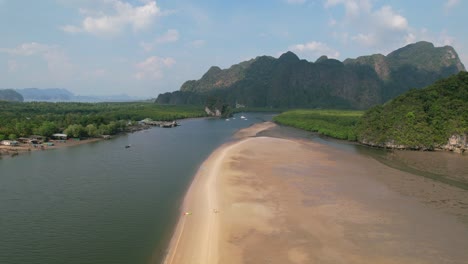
(63, 95)
(10, 95)
(289, 82)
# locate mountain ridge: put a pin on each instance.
(289, 82)
(10, 95)
(64, 95)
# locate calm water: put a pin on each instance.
(99, 202)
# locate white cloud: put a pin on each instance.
(123, 15)
(27, 49)
(449, 4)
(353, 7)
(388, 19)
(152, 67)
(147, 46)
(365, 39)
(56, 59)
(295, 1)
(381, 29)
(172, 35)
(315, 49)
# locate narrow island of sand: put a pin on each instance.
(273, 200)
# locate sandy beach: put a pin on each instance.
(273, 200)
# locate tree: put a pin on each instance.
(47, 129)
(12, 137)
(104, 129)
(23, 128)
(76, 131)
(92, 130)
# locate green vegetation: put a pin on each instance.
(420, 119)
(257, 110)
(334, 123)
(82, 119)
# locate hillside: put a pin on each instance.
(10, 95)
(51, 94)
(289, 82)
(429, 118)
(414, 66)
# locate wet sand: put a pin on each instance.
(271, 200)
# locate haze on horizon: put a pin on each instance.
(145, 47)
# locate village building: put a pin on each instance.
(60, 136)
(36, 137)
(10, 143)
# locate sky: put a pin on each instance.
(145, 47)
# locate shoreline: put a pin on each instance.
(201, 181)
(25, 148)
(258, 203)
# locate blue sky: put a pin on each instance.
(145, 47)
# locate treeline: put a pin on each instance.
(82, 119)
(339, 124)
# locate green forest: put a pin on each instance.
(339, 124)
(82, 119)
(420, 119)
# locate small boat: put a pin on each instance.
(242, 117)
(127, 146)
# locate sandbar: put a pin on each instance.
(275, 200)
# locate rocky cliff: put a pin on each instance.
(289, 82)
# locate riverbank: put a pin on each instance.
(273, 200)
(347, 125)
(11, 151)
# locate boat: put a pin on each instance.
(127, 146)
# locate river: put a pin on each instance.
(102, 203)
